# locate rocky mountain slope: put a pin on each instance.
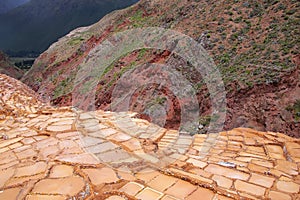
(32, 27)
(255, 45)
(7, 67)
(66, 153)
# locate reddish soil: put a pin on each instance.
(236, 35)
(264, 107)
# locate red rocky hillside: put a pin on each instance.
(254, 44)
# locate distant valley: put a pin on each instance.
(29, 29)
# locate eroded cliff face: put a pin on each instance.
(268, 107)
(65, 153)
(254, 46)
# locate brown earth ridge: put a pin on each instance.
(255, 45)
